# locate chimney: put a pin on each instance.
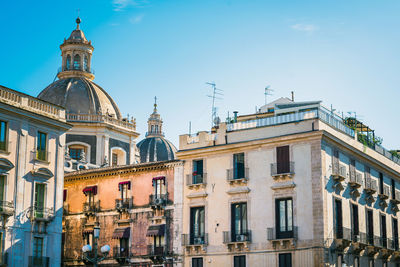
(235, 116)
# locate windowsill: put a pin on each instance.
(283, 175)
(238, 181)
(41, 161)
(5, 152)
(196, 186)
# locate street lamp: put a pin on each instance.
(87, 248)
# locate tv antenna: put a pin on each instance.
(217, 94)
(268, 91)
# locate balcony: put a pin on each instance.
(6, 208)
(339, 173)
(41, 156)
(40, 214)
(90, 208)
(237, 241)
(355, 182)
(358, 242)
(287, 240)
(374, 244)
(155, 251)
(39, 261)
(237, 176)
(342, 238)
(194, 243)
(121, 254)
(370, 189)
(158, 201)
(395, 201)
(282, 170)
(196, 180)
(124, 204)
(384, 196)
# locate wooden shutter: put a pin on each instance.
(282, 159)
(335, 162)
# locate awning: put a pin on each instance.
(91, 189)
(122, 183)
(121, 233)
(87, 231)
(158, 178)
(156, 230)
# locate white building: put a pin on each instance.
(292, 185)
(32, 139)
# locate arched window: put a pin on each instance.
(77, 62)
(68, 63)
(85, 64)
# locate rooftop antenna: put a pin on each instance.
(332, 109)
(268, 91)
(215, 95)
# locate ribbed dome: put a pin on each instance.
(156, 149)
(80, 96)
(77, 35)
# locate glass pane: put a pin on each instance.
(282, 219)
(202, 222)
(289, 215)
(237, 219)
(2, 182)
(244, 217)
(2, 131)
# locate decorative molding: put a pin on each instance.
(5, 165)
(238, 190)
(283, 185)
(42, 172)
(197, 195)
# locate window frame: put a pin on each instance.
(197, 229)
(239, 261)
(287, 233)
(4, 148)
(239, 226)
(239, 168)
(41, 154)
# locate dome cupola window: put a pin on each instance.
(77, 62)
(68, 63)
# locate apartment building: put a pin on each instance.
(32, 140)
(292, 185)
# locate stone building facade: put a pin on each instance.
(32, 139)
(292, 185)
(134, 206)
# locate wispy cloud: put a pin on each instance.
(120, 5)
(136, 19)
(309, 28)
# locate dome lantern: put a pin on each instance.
(154, 123)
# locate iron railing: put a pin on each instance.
(370, 185)
(339, 171)
(41, 213)
(273, 234)
(355, 178)
(237, 174)
(193, 179)
(91, 207)
(124, 204)
(230, 237)
(158, 200)
(153, 250)
(281, 168)
(193, 240)
(39, 261)
(121, 252)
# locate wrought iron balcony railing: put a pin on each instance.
(273, 234)
(41, 213)
(282, 168)
(194, 240)
(355, 179)
(370, 185)
(6, 207)
(196, 179)
(237, 174)
(121, 252)
(39, 261)
(153, 250)
(158, 200)
(91, 207)
(244, 236)
(124, 204)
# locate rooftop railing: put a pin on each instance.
(103, 118)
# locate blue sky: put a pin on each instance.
(345, 53)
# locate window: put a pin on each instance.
(85, 64)
(395, 233)
(393, 189)
(284, 218)
(88, 238)
(75, 153)
(3, 135)
(338, 219)
(282, 159)
(124, 247)
(65, 195)
(114, 159)
(68, 63)
(77, 62)
(380, 183)
(197, 225)
(124, 187)
(383, 231)
(39, 199)
(370, 227)
(41, 146)
(239, 222)
(2, 186)
(197, 171)
(238, 166)
(197, 262)
(37, 247)
(354, 222)
(239, 261)
(335, 162)
(285, 260)
(159, 186)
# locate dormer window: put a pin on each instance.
(77, 62)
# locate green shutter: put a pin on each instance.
(39, 199)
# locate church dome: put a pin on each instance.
(79, 95)
(156, 148)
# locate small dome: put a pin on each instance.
(79, 95)
(156, 149)
(77, 36)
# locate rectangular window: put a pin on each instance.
(380, 183)
(284, 218)
(2, 187)
(282, 159)
(124, 191)
(197, 225)
(285, 260)
(65, 195)
(41, 146)
(197, 262)
(238, 166)
(239, 222)
(393, 189)
(197, 171)
(395, 233)
(114, 159)
(37, 247)
(338, 219)
(370, 227)
(39, 199)
(75, 153)
(239, 261)
(354, 222)
(383, 231)
(3, 135)
(335, 161)
(159, 187)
